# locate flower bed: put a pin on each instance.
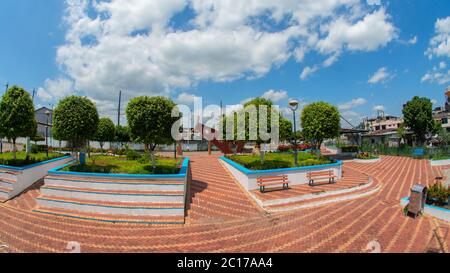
(367, 158)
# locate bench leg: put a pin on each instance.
(311, 182)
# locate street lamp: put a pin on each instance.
(47, 113)
(293, 105)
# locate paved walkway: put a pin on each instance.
(223, 218)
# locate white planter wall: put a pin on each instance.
(296, 176)
(440, 162)
(25, 177)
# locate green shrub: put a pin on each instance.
(349, 148)
(438, 194)
(133, 155)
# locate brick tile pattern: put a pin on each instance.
(222, 218)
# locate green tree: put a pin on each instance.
(418, 115)
(75, 120)
(320, 120)
(17, 115)
(106, 132)
(150, 121)
(286, 129)
(122, 134)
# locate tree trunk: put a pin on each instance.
(14, 149)
(101, 146)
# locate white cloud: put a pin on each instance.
(442, 65)
(379, 108)
(440, 43)
(434, 101)
(186, 98)
(413, 40)
(439, 76)
(134, 45)
(381, 76)
(55, 89)
(368, 34)
(275, 96)
(307, 71)
(353, 103)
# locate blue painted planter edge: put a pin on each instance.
(250, 172)
(33, 165)
(181, 174)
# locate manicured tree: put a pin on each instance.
(150, 121)
(106, 132)
(286, 131)
(17, 115)
(320, 121)
(75, 120)
(122, 135)
(418, 115)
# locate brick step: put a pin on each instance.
(125, 185)
(326, 198)
(6, 184)
(112, 208)
(3, 197)
(9, 176)
(111, 195)
(148, 220)
(119, 180)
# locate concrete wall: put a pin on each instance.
(296, 176)
(25, 177)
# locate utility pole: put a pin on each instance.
(7, 86)
(118, 110)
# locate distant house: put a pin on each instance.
(44, 117)
(442, 114)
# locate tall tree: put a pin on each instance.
(418, 115)
(286, 130)
(320, 121)
(17, 115)
(122, 134)
(75, 120)
(150, 121)
(106, 132)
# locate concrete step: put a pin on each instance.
(357, 192)
(124, 185)
(108, 195)
(149, 220)
(111, 208)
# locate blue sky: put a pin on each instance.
(59, 48)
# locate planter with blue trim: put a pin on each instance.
(443, 162)
(297, 176)
(14, 180)
(111, 197)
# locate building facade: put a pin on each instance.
(442, 114)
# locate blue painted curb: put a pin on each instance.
(33, 165)
(305, 168)
(181, 174)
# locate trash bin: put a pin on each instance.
(417, 199)
(83, 158)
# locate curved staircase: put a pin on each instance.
(114, 199)
(353, 185)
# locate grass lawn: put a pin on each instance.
(440, 157)
(120, 165)
(22, 160)
(279, 160)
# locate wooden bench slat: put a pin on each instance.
(321, 176)
(281, 180)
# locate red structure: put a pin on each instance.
(225, 146)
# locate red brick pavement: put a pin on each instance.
(223, 218)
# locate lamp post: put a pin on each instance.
(47, 113)
(293, 105)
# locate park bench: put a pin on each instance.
(327, 175)
(266, 181)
